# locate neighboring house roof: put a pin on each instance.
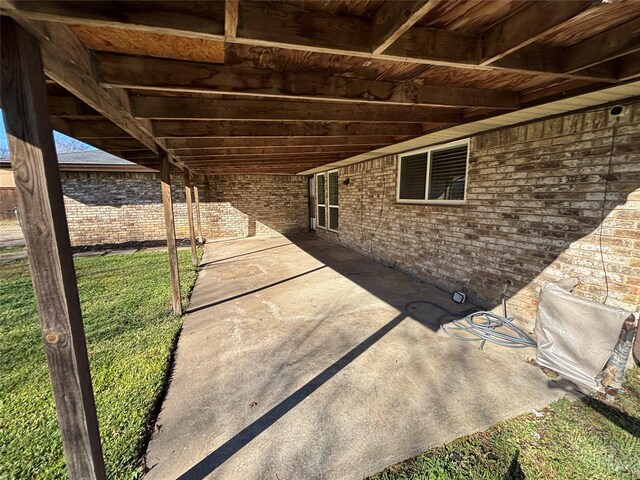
(90, 160)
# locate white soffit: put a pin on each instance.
(565, 105)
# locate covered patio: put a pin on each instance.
(298, 357)
(305, 364)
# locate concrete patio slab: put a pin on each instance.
(297, 361)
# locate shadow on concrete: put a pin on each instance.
(250, 292)
(215, 262)
(216, 458)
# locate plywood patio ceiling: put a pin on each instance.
(285, 87)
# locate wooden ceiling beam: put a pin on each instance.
(527, 25)
(608, 45)
(629, 67)
(213, 109)
(230, 18)
(551, 59)
(67, 61)
(125, 71)
(192, 19)
(191, 129)
(274, 150)
(177, 144)
(393, 19)
(89, 129)
(290, 26)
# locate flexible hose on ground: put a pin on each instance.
(482, 326)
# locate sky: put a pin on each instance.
(58, 137)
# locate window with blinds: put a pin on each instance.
(436, 175)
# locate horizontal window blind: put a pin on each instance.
(447, 173)
(320, 192)
(321, 217)
(333, 188)
(333, 218)
(413, 172)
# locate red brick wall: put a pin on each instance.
(248, 205)
(106, 207)
(534, 200)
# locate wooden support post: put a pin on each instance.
(192, 230)
(167, 203)
(40, 200)
(196, 196)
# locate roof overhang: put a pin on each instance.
(614, 94)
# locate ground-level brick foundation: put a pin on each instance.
(119, 207)
(533, 213)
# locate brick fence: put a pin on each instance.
(533, 213)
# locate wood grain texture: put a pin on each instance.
(176, 144)
(279, 150)
(230, 18)
(41, 204)
(260, 109)
(527, 25)
(193, 129)
(393, 19)
(188, 193)
(473, 17)
(601, 17)
(200, 19)
(610, 44)
(68, 62)
(196, 197)
(167, 205)
(139, 73)
(151, 44)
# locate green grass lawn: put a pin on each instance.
(126, 305)
(574, 440)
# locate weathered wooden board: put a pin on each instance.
(35, 167)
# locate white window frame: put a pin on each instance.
(328, 200)
(429, 151)
(318, 204)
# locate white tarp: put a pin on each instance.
(576, 336)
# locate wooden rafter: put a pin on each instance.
(527, 25)
(283, 151)
(393, 19)
(289, 26)
(175, 144)
(213, 109)
(230, 18)
(191, 129)
(610, 44)
(168, 75)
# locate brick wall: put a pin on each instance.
(109, 207)
(533, 214)
(248, 205)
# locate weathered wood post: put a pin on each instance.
(41, 204)
(167, 203)
(196, 195)
(192, 230)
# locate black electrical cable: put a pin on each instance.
(604, 208)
